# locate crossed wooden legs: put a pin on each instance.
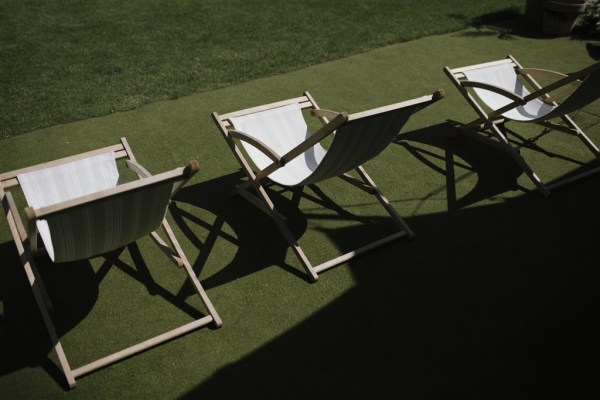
(264, 203)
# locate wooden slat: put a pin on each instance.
(409, 103)
(350, 255)
(226, 123)
(303, 102)
(460, 70)
(128, 352)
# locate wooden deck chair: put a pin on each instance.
(79, 210)
(512, 94)
(277, 141)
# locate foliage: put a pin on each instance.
(590, 20)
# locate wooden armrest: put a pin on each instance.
(191, 168)
(312, 140)
(321, 113)
(266, 150)
(138, 168)
(542, 72)
(493, 88)
(562, 92)
(326, 130)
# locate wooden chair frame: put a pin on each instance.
(563, 86)
(331, 121)
(25, 238)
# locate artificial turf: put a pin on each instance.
(495, 298)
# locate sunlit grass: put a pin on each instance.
(68, 60)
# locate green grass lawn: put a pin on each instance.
(496, 297)
(68, 60)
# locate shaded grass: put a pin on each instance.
(67, 60)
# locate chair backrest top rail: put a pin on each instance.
(9, 179)
(303, 102)
(459, 72)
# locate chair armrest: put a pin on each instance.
(312, 140)
(551, 98)
(542, 72)
(496, 89)
(321, 113)
(266, 150)
(189, 170)
(326, 130)
(138, 168)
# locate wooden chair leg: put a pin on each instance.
(385, 202)
(285, 230)
(520, 161)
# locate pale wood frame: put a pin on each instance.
(25, 239)
(331, 121)
(565, 84)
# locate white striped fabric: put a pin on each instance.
(358, 141)
(504, 76)
(110, 223)
(354, 143)
(99, 226)
(53, 185)
(586, 93)
(281, 129)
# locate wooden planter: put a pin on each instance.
(560, 16)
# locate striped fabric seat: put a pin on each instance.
(276, 138)
(354, 143)
(80, 210)
(96, 227)
(502, 91)
(505, 77)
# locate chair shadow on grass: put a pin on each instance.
(73, 288)
(257, 241)
(462, 158)
(493, 302)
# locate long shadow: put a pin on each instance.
(463, 157)
(259, 243)
(23, 338)
(490, 302)
(73, 288)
